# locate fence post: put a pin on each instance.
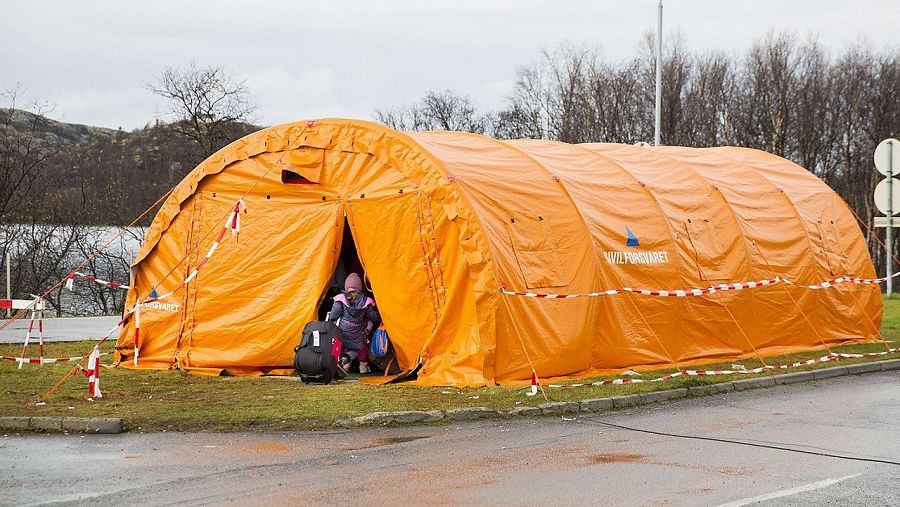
(8, 286)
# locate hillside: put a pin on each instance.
(105, 176)
(52, 130)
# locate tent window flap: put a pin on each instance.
(705, 241)
(534, 246)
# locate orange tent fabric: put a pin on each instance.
(442, 220)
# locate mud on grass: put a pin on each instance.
(176, 401)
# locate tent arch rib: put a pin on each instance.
(779, 191)
(748, 254)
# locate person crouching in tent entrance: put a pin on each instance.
(356, 315)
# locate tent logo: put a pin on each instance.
(166, 307)
(630, 238)
(632, 257)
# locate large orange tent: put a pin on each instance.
(442, 220)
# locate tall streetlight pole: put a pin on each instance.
(658, 112)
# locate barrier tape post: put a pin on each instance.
(93, 373)
(41, 331)
(27, 338)
(43, 399)
(534, 390)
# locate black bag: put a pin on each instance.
(313, 359)
(386, 363)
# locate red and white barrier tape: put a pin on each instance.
(45, 360)
(648, 292)
(70, 283)
(233, 223)
(843, 279)
(709, 373)
(700, 292)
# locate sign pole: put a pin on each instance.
(888, 260)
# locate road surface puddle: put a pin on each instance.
(397, 440)
(388, 440)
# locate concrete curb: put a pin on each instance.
(100, 425)
(597, 405)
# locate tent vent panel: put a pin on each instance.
(534, 245)
(303, 166)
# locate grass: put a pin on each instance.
(175, 401)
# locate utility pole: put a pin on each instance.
(658, 113)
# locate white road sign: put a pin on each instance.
(887, 148)
(881, 195)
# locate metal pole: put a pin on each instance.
(8, 286)
(889, 263)
(658, 113)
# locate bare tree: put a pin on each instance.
(206, 105)
(437, 111)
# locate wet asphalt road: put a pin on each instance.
(532, 461)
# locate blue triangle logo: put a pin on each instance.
(631, 238)
(153, 293)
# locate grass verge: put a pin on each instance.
(175, 401)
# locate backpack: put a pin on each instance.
(379, 345)
(314, 358)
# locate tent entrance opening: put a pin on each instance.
(347, 262)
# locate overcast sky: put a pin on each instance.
(305, 59)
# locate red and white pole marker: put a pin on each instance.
(93, 373)
(534, 385)
(137, 333)
(27, 338)
(41, 333)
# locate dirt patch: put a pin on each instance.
(272, 447)
(617, 458)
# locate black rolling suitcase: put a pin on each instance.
(313, 358)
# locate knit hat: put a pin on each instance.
(353, 282)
